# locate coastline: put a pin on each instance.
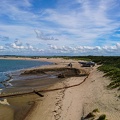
(7, 81)
(14, 101)
(68, 103)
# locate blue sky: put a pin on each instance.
(60, 27)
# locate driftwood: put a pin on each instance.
(38, 93)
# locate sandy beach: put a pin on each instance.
(69, 103)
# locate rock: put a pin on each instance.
(61, 76)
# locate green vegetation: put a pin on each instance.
(95, 116)
(102, 117)
(95, 110)
(111, 67)
(90, 115)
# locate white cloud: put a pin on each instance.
(88, 22)
(19, 46)
(14, 10)
(18, 43)
(86, 50)
(4, 38)
(118, 45)
(69, 50)
(29, 47)
(13, 45)
(83, 23)
(40, 35)
(1, 48)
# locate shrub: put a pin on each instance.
(89, 115)
(102, 117)
(95, 110)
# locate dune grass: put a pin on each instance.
(113, 72)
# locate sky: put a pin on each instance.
(60, 27)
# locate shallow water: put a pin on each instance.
(8, 66)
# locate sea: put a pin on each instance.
(9, 66)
